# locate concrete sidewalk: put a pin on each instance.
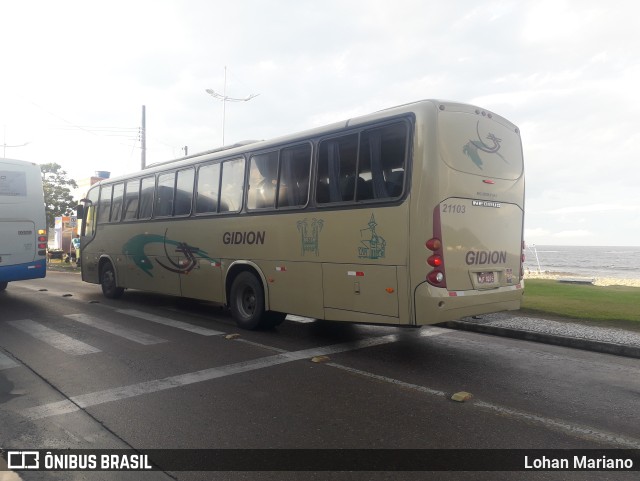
(610, 340)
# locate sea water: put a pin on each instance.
(583, 261)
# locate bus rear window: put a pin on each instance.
(13, 183)
(480, 145)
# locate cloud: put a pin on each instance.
(565, 72)
(572, 234)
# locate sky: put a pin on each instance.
(75, 75)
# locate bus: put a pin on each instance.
(408, 216)
(23, 224)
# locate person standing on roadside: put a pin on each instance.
(75, 242)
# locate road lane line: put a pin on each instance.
(117, 330)
(565, 426)
(588, 432)
(55, 339)
(82, 401)
(203, 331)
(6, 362)
(431, 331)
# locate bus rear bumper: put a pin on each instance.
(21, 272)
(434, 305)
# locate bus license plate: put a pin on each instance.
(486, 278)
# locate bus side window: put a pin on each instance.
(104, 206)
(164, 195)
(232, 185)
(116, 202)
(184, 192)
(147, 186)
(263, 175)
(293, 187)
(337, 169)
(382, 162)
(131, 199)
(208, 189)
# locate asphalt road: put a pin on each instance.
(149, 371)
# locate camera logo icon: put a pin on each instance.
(23, 460)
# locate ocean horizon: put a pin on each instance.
(584, 261)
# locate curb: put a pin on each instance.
(565, 341)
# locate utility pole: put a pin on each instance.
(226, 99)
(143, 139)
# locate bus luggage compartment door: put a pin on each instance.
(361, 288)
(18, 242)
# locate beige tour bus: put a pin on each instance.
(408, 216)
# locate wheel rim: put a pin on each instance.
(108, 280)
(247, 302)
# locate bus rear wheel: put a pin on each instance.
(110, 288)
(247, 301)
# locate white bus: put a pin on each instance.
(408, 216)
(23, 224)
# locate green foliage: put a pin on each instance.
(57, 192)
(586, 302)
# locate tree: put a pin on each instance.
(57, 192)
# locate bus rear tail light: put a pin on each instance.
(435, 261)
(434, 244)
(436, 277)
(42, 242)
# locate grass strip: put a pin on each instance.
(588, 302)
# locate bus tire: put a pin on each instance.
(110, 288)
(3, 286)
(247, 301)
(273, 319)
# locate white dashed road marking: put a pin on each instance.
(76, 403)
(6, 362)
(55, 339)
(117, 330)
(203, 331)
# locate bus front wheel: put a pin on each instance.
(247, 301)
(110, 288)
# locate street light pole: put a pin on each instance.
(226, 99)
(4, 143)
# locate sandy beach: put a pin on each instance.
(597, 281)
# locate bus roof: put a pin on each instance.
(17, 162)
(257, 145)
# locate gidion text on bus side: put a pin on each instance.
(23, 224)
(408, 216)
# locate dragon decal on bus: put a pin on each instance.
(135, 247)
(471, 148)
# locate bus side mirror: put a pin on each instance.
(80, 211)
